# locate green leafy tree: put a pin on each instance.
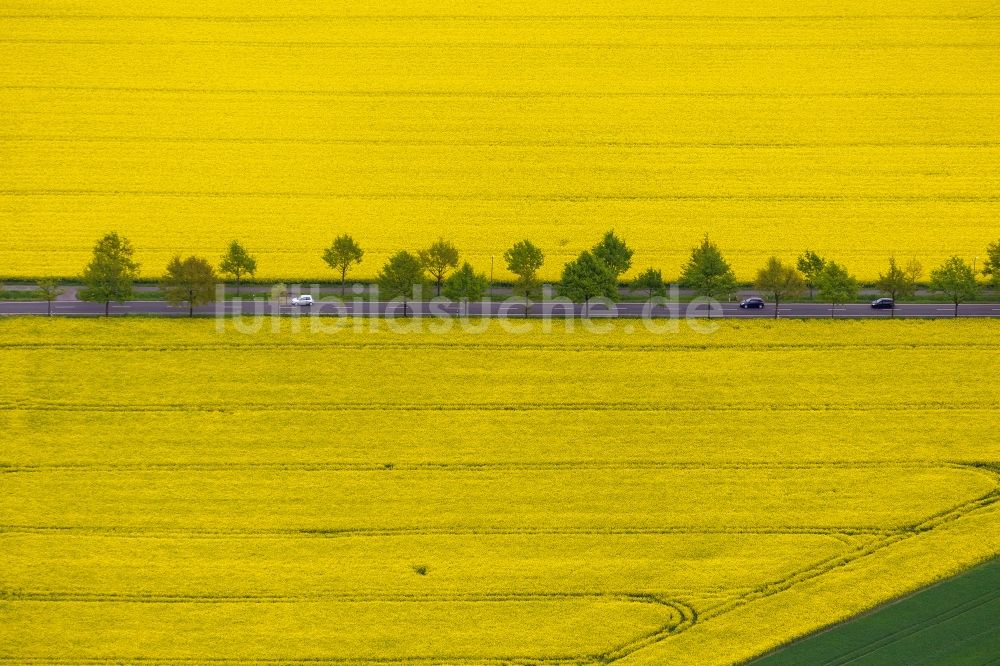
(238, 262)
(588, 277)
(811, 265)
(956, 279)
(836, 285)
(400, 276)
(898, 282)
(524, 260)
(50, 291)
(991, 267)
(465, 284)
(438, 259)
(779, 281)
(111, 273)
(190, 280)
(707, 272)
(341, 255)
(651, 282)
(615, 254)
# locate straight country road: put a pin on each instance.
(498, 309)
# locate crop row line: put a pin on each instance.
(572, 465)
(514, 94)
(540, 597)
(501, 198)
(512, 660)
(356, 532)
(628, 46)
(502, 18)
(489, 143)
(299, 406)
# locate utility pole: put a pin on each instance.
(491, 276)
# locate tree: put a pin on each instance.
(238, 262)
(615, 254)
(466, 285)
(588, 277)
(650, 281)
(779, 281)
(898, 282)
(914, 271)
(811, 265)
(836, 285)
(991, 267)
(400, 276)
(111, 272)
(50, 291)
(956, 279)
(341, 255)
(438, 259)
(707, 272)
(191, 280)
(523, 260)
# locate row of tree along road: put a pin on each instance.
(595, 273)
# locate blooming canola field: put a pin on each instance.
(305, 494)
(856, 129)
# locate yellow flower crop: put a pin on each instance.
(859, 130)
(176, 492)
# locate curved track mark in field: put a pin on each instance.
(682, 616)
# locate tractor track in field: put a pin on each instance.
(688, 616)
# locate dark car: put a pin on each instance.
(750, 303)
(883, 304)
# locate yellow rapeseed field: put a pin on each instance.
(859, 129)
(176, 493)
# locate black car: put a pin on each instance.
(751, 303)
(883, 304)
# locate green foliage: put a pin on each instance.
(524, 259)
(238, 262)
(190, 280)
(615, 254)
(341, 255)
(898, 282)
(400, 276)
(50, 290)
(111, 272)
(588, 277)
(779, 281)
(466, 285)
(991, 267)
(707, 272)
(650, 281)
(956, 279)
(836, 285)
(811, 266)
(438, 259)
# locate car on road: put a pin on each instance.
(883, 304)
(303, 300)
(751, 303)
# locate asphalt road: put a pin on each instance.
(382, 309)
